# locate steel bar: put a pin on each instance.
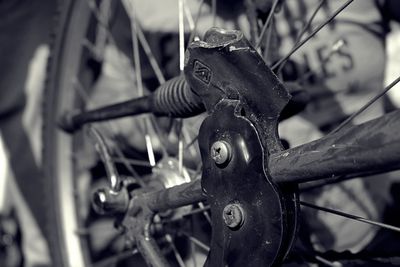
(175, 197)
(371, 147)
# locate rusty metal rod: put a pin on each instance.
(371, 147)
(175, 197)
(173, 98)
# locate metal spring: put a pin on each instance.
(176, 99)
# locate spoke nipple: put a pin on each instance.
(221, 152)
(233, 216)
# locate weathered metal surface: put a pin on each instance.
(245, 100)
(225, 66)
(175, 197)
(370, 147)
(260, 240)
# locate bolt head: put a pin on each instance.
(233, 216)
(220, 152)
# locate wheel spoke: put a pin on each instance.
(196, 241)
(109, 35)
(143, 41)
(328, 262)
(133, 162)
(105, 156)
(121, 157)
(363, 108)
(214, 11)
(138, 73)
(335, 48)
(188, 15)
(350, 216)
(192, 142)
(308, 24)
(267, 23)
(181, 36)
(303, 31)
(175, 250)
(180, 146)
(193, 33)
(153, 62)
(322, 25)
(205, 212)
(124, 160)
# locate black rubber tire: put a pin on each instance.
(71, 23)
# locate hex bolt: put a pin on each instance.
(233, 216)
(220, 152)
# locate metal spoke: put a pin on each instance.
(181, 36)
(127, 163)
(135, 45)
(102, 15)
(192, 142)
(267, 48)
(307, 26)
(92, 48)
(294, 49)
(335, 48)
(78, 86)
(175, 250)
(193, 33)
(304, 30)
(146, 47)
(373, 100)
(205, 212)
(139, 83)
(110, 261)
(104, 153)
(350, 216)
(149, 144)
(153, 62)
(180, 145)
(121, 157)
(188, 15)
(160, 135)
(133, 162)
(214, 11)
(327, 262)
(267, 23)
(110, 37)
(196, 241)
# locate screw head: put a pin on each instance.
(233, 216)
(220, 152)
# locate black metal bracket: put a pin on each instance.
(253, 219)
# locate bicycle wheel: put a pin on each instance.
(64, 172)
(80, 57)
